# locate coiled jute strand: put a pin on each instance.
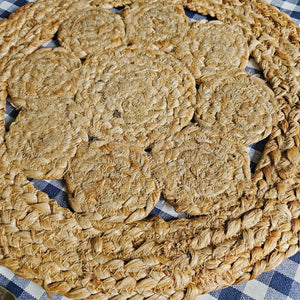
(78, 256)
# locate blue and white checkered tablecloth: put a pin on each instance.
(283, 283)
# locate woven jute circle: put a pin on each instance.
(203, 48)
(154, 98)
(237, 106)
(113, 180)
(42, 143)
(181, 164)
(44, 74)
(77, 255)
(156, 24)
(91, 30)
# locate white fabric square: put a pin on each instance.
(288, 5)
(256, 289)
(6, 273)
(34, 290)
(6, 5)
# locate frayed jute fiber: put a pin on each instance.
(79, 255)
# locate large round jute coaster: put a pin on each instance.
(42, 143)
(113, 180)
(213, 46)
(158, 25)
(91, 30)
(133, 96)
(46, 73)
(236, 105)
(199, 173)
(80, 256)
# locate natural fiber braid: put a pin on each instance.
(3, 94)
(20, 35)
(272, 65)
(162, 223)
(85, 246)
(45, 225)
(250, 15)
(30, 27)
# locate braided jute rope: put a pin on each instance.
(77, 255)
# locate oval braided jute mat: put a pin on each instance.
(77, 255)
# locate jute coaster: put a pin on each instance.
(114, 180)
(236, 105)
(213, 46)
(157, 25)
(46, 73)
(91, 30)
(78, 254)
(200, 173)
(42, 143)
(135, 96)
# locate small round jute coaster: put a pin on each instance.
(115, 178)
(211, 47)
(42, 143)
(236, 105)
(46, 73)
(91, 30)
(200, 173)
(157, 25)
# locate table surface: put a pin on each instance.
(283, 283)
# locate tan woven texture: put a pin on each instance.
(154, 98)
(81, 33)
(203, 48)
(237, 106)
(74, 254)
(156, 24)
(113, 180)
(201, 174)
(44, 74)
(42, 143)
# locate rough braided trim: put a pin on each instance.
(73, 255)
(3, 95)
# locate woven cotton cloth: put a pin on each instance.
(281, 283)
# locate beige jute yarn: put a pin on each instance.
(74, 254)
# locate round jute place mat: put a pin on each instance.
(78, 255)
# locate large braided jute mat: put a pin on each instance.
(80, 256)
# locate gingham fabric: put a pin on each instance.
(283, 283)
